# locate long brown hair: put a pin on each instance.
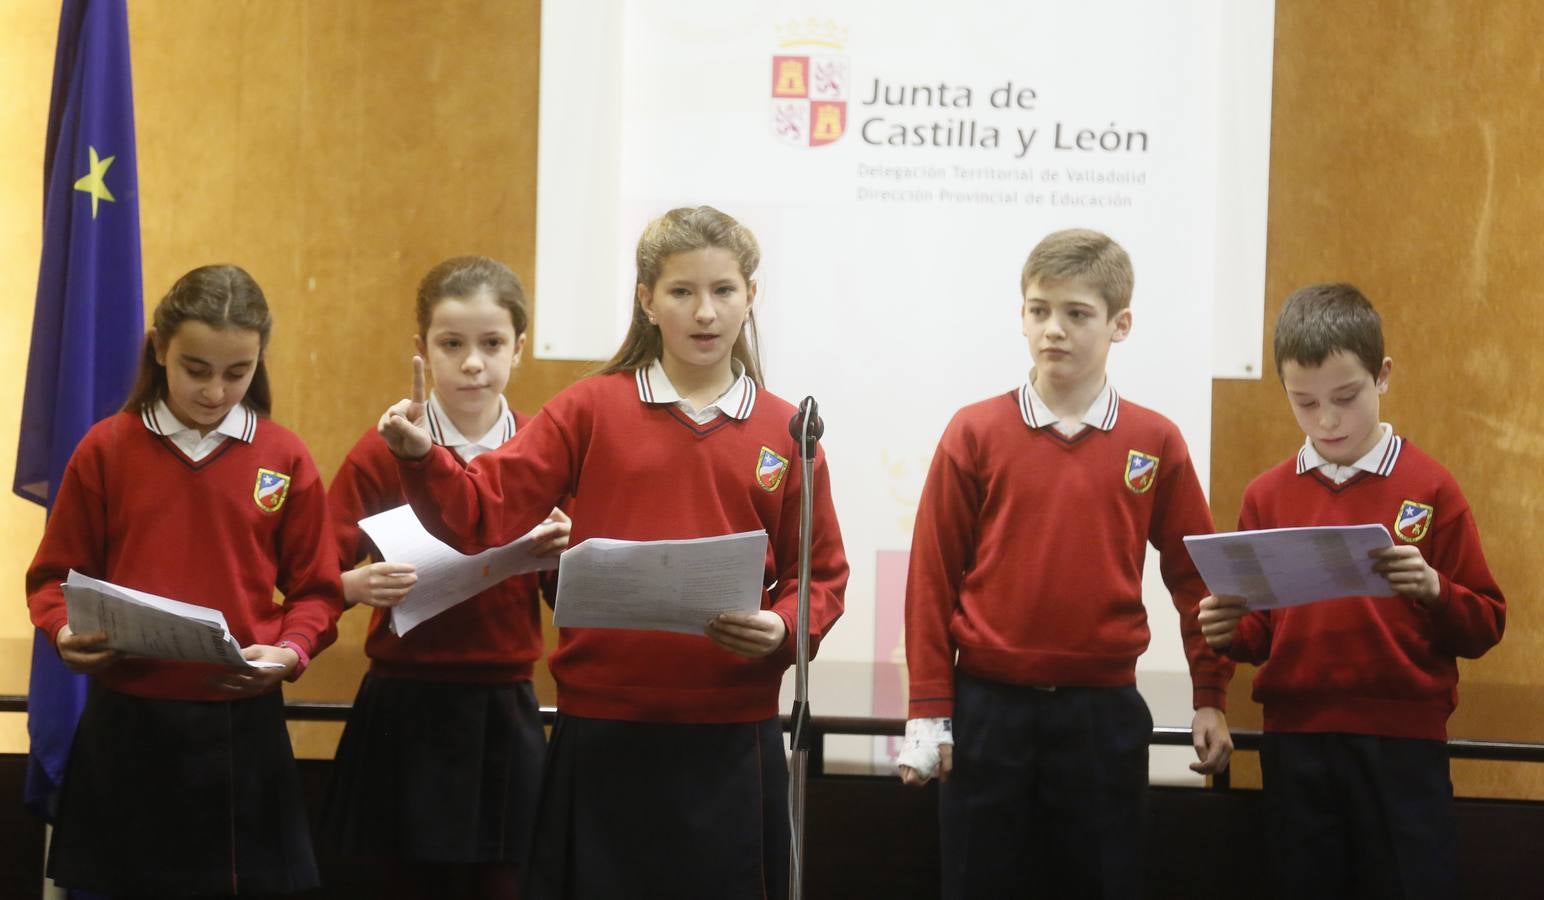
(683, 230)
(221, 297)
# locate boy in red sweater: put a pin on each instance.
(1357, 691)
(1024, 615)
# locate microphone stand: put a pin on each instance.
(806, 428)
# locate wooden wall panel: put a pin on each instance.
(27, 35)
(338, 149)
(1405, 157)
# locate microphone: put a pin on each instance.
(807, 409)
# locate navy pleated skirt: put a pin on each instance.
(436, 772)
(641, 809)
(172, 798)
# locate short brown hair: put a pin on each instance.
(222, 297)
(1320, 320)
(464, 277)
(1087, 256)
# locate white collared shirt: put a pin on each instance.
(1101, 413)
(1379, 460)
(444, 432)
(239, 423)
(735, 402)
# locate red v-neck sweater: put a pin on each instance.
(1371, 665)
(132, 509)
(492, 638)
(1027, 554)
(643, 471)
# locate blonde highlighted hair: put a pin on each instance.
(683, 230)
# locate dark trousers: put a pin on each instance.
(1351, 815)
(1048, 796)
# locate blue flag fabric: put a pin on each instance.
(89, 322)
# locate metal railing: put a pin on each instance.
(860, 726)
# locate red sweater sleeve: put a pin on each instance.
(1471, 613)
(502, 495)
(351, 497)
(1180, 510)
(74, 537)
(942, 545)
(828, 561)
(308, 574)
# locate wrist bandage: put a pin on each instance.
(919, 749)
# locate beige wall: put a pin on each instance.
(338, 149)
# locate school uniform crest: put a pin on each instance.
(271, 490)
(1413, 521)
(770, 469)
(1141, 471)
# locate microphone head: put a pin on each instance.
(796, 424)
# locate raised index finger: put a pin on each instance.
(419, 394)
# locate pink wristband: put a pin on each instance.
(300, 665)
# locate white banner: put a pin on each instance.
(897, 162)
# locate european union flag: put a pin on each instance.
(89, 323)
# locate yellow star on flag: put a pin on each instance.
(94, 182)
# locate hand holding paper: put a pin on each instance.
(381, 585)
(86, 654)
(752, 635)
(444, 578)
(667, 586)
(143, 624)
(270, 665)
(1219, 617)
(550, 538)
(1278, 567)
(1408, 573)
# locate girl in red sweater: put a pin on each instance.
(181, 779)
(666, 773)
(440, 763)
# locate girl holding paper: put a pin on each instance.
(666, 771)
(181, 779)
(439, 765)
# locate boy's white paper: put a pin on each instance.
(1277, 567)
(660, 585)
(445, 578)
(143, 624)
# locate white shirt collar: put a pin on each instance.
(1379, 460)
(736, 402)
(239, 423)
(1101, 414)
(445, 433)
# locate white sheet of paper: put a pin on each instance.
(660, 585)
(144, 624)
(445, 577)
(1277, 567)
